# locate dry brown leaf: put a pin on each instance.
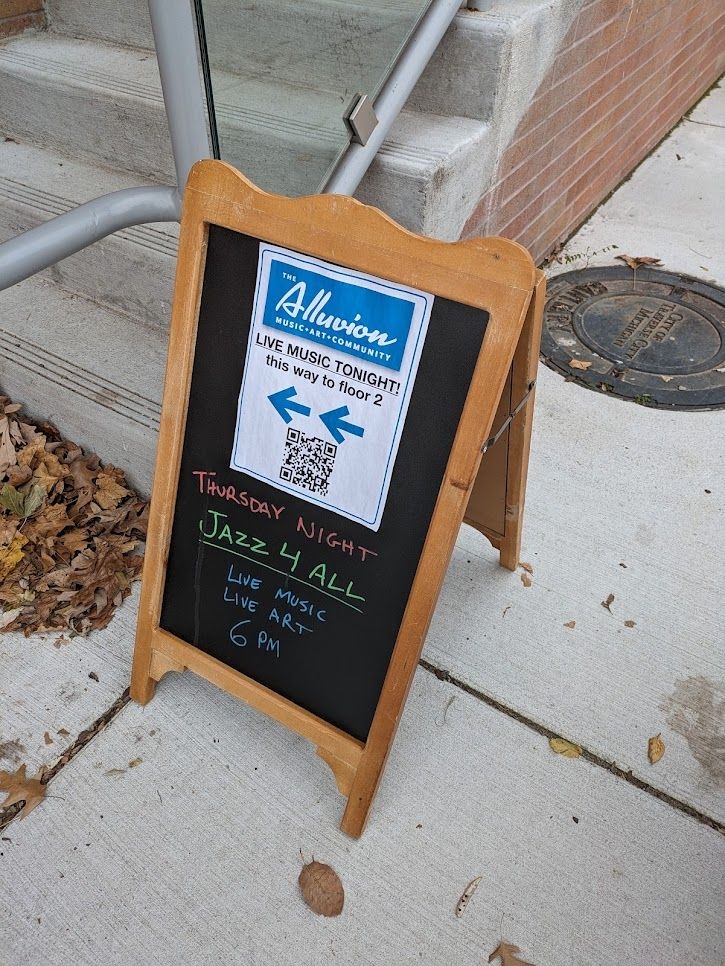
(47, 524)
(63, 732)
(11, 556)
(47, 739)
(634, 261)
(322, 889)
(17, 475)
(32, 452)
(60, 641)
(84, 471)
(7, 447)
(526, 580)
(22, 789)
(12, 500)
(71, 542)
(563, 747)
(34, 499)
(50, 473)
(109, 493)
(570, 624)
(630, 623)
(466, 896)
(507, 953)
(82, 525)
(7, 617)
(607, 604)
(8, 529)
(135, 762)
(579, 364)
(526, 566)
(27, 430)
(655, 749)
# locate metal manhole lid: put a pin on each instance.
(655, 337)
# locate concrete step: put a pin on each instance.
(88, 100)
(429, 173)
(88, 115)
(97, 374)
(131, 271)
(339, 46)
(127, 24)
(103, 103)
(273, 31)
(322, 40)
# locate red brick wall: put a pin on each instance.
(625, 74)
(18, 15)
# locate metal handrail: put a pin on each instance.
(411, 62)
(175, 38)
(46, 244)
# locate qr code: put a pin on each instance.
(308, 461)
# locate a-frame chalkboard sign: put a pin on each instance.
(332, 382)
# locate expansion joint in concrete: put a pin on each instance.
(86, 736)
(83, 739)
(587, 755)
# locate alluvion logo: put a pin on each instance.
(294, 302)
(346, 315)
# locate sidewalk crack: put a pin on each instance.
(589, 756)
(83, 739)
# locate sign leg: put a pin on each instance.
(523, 378)
(142, 684)
(496, 504)
(362, 793)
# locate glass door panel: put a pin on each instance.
(280, 76)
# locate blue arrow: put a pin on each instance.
(282, 402)
(335, 424)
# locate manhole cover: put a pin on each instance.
(651, 336)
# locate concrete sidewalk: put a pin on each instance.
(191, 856)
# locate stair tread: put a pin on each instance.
(97, 391)
(53, 183)
(69, 97)
(87, 338)
(89, 63)
(344, 36)
(243, 101)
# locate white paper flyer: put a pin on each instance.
(331, 361)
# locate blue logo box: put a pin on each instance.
(347, 315)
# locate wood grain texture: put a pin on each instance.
(486, 507)
(496, 504)
(491, 274)
(523, 378)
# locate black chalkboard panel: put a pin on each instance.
(297, 597)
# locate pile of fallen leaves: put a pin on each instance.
(69, 527)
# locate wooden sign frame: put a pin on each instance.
(492, 274)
